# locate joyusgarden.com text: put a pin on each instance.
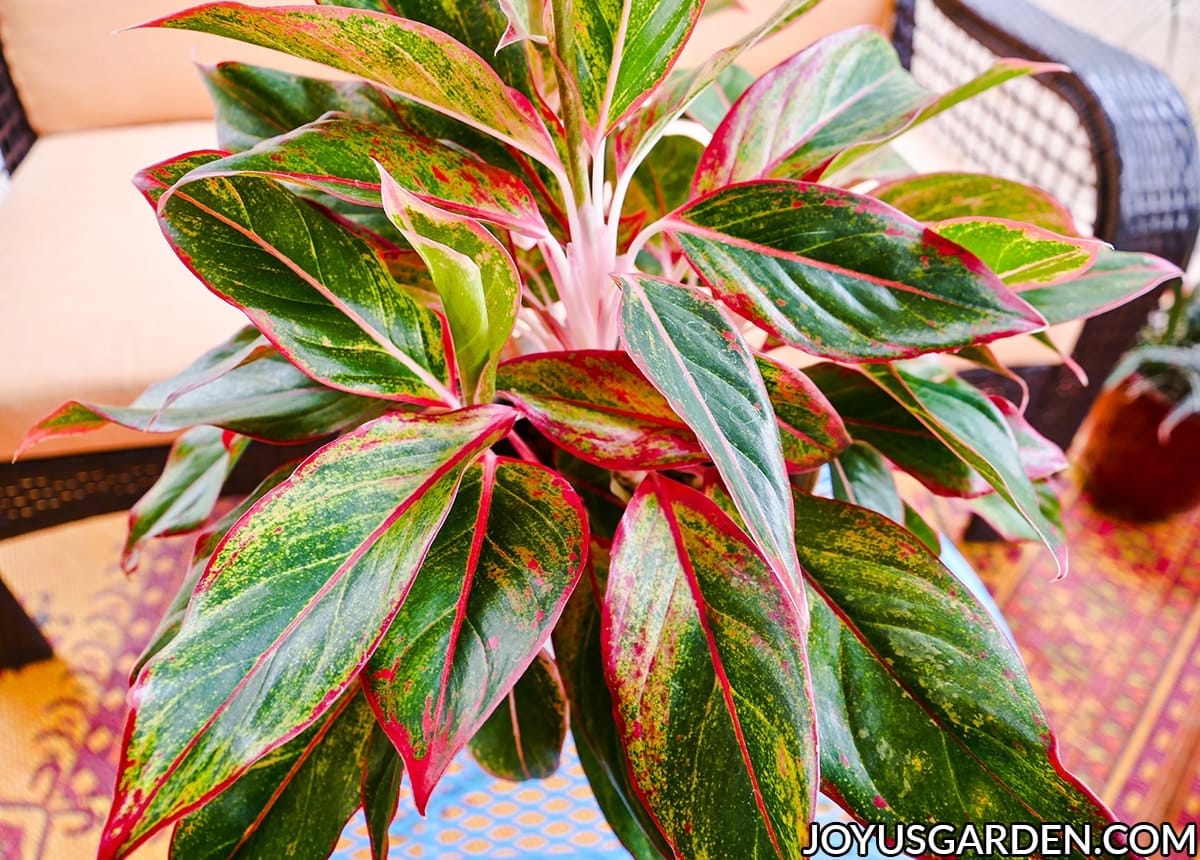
(851, 839)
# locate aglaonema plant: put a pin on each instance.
(537, 292)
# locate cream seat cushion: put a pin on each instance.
(93, 302)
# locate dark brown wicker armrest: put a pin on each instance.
(1142, 147)
(16, 136)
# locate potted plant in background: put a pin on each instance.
(531, 284)
(1141, 455)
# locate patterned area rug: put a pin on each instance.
(1113, 650)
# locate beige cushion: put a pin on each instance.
(74, 71)
(94, 302)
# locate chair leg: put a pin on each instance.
(21, 642)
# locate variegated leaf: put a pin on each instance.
(1115, 278)
(320, 293)
(841, 275)
(846, 88)
(704, 654)
(293, 602)
(1021, 255)
(243, 386)
(692, 354)
(599, 406)
(416, 60)
(342, 156)
(622, 50)
(942, 196)
(810, 428)
(489, 593)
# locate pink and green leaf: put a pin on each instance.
(970, 425)
(291, 605)
(599, 406)
(593, 726)
(1022, 256)
(705, 657)
(294, 802)
(523, 738)
(904, 657)
(243, 386)
(810, 429)
(318, 291)
(342, 156)
(623, 49)
(686, 347)
(846, 88)
(475, 277)
(1115, 278)
(490, 591)
(942, 196)
(184, 494)
(1000, 72)
(418, 61)
(842, 275)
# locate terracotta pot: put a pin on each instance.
(1126, 469)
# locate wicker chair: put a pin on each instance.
(1113, 133)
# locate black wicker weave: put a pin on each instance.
(1138, 159)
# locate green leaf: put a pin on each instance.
(861, 477)
(593, 726)
(810, 428)
(1000, 72)
(594, 485)
(206, 544)
(419, 62)
(924, 709)
(479, 26)
(704, 654)
(475, 277)
(294, 802)
(320, 293)
(841, 275)
(692, 83)
(623, 49)
(661, 183)
(1007, 520)
(846, 88)
(1115, 278)
(184, 494)
(971, 426)
(291, 605)
(341, 156)
(942, 196)
(243, 386)
(1021, 255)
(690, 352)
(381, 791)
(523, 737)
(713, 104)
(922, 530)
(490, 591)
(599, 406)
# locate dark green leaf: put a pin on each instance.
(294, 802)
(381, 791)
(861, 477)
(186, 491)
(523, 737)
(924, 709)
